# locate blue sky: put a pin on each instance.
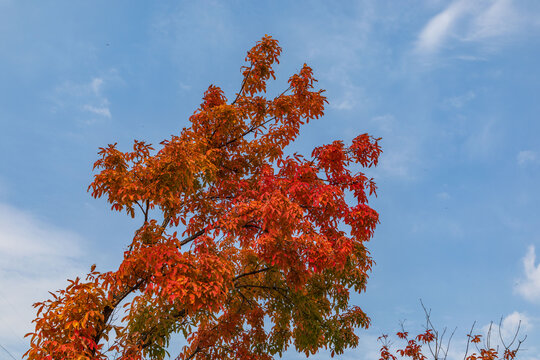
(451, 87)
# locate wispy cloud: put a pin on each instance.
(473, 22)
(386, 123)
(399, 162)
(526, 157)
(350, 98)
(96, 85)
(183, 25)
(87, 97)
(401, 156)
(483, 139)
(440, 27)
(529, 286)
(35, 257)
(443, 195)
(184, 87)
(459, 101)
(498, 18)
(102, 111)
(343, 44)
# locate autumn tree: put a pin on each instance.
(434, 344)
(242, 249)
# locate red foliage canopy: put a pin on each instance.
(263, 259)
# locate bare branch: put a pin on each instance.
(469, 341)
(448, 345)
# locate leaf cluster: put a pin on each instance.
(262, 261)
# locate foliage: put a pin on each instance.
(263, 260)
(432, 343)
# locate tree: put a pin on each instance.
(432, 343)
(263, 260)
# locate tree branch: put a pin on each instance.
(469, 341)
(108, 310)
(252, 273)
(243, 85)
(147, 209)
(281, 291)
(197, 349)
(192, 237)
(146, 336)
(142, 209)
(250, 130)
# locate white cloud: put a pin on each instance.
(529, 287)
(484, 22)
(526, 157)
(443, 195)
(513, 327)
(385, 123)
(184, 86)
(35, 257)
(459, 101)
(498, 19)
(509, 326)
(100, 104)
(102, 111)
(439, 28)
(470, 58)
(345, 103)
(95, 85)
(87, 97)
(512, 322)
(345, 45)
(400, 157)
(183, 25)
(399, 162)
(350, 95)
(483, 139)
